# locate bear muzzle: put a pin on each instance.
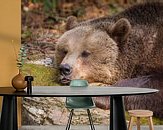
(65, 72)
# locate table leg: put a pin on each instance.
(117, 114)
(9, 113)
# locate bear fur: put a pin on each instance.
(124, 46)
(153, 102)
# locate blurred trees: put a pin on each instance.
(47, 13)
(51, 11)
(43, 21)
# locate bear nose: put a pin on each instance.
(65, 69)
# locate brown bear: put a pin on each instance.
(153, 102)
(109, 49)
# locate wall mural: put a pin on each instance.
(122, 49)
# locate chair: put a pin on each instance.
(138, 114)
(79, 103)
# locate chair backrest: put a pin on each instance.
(79, 102)
(79, 83)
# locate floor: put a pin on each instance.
(78, 127)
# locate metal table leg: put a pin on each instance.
(117, 114)
(9, 113)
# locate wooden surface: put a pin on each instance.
(138, 114)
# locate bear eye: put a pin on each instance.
(64, 52)
(85, 53)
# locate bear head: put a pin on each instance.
(90, 51)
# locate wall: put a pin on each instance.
(10, 29)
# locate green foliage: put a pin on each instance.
(26, 33)
(43, 76)
(49, 5)
(157, 121)
(21, 57)
(80, 11)
(113, 9)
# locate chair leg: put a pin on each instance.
(150, 123)
(138, 123)
(90, 119)
(130, 123)
(70, 119)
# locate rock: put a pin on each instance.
(44, 111)
(47, 62)
(51, 111)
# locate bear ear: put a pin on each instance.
(121, 29)
(71, 22)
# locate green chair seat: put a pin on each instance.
(79, 102)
